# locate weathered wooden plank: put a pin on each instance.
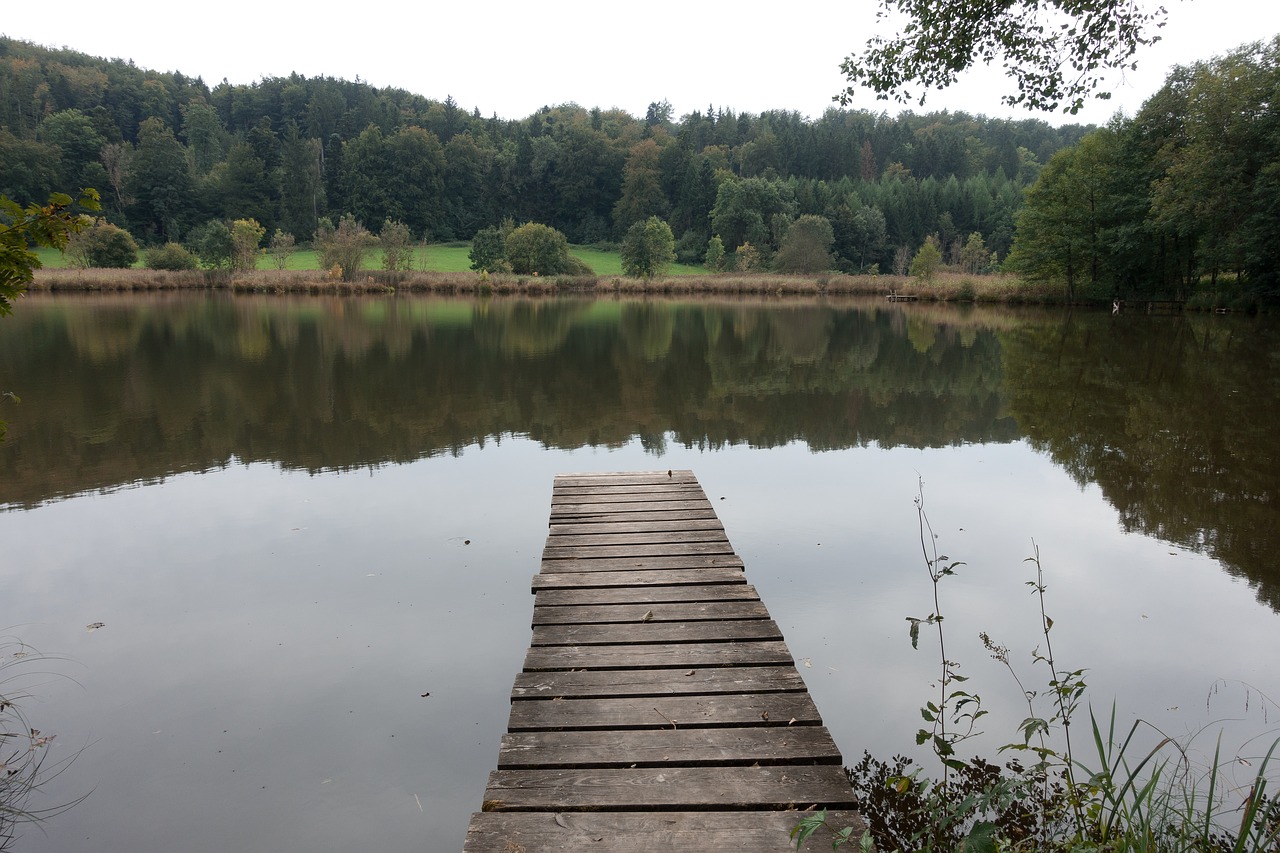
(651, 712)
(678, 475)
(637, 517)
(780, 787)
(585, 494)
(646, 832)
(661, 577)
(635, 552)
(646, 595)
(634, 633)
(667, 747)
(619, 683)
(567, 510)
(624, 494)
(643, 563)
(663, 656)
(630, 526)
(647, 611)
(664, 537)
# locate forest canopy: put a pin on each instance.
(170, 153)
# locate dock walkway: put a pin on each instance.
(658, 707)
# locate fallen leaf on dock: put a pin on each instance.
(93, 626)
(425, 695)
(690, 672)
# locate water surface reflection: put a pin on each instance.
(268, 501)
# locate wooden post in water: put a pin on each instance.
(658, 708)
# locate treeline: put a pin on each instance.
(1182, 200)
(169, 154)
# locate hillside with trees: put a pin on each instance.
(170, 154)
(1182, 200)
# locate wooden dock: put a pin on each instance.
(658, 707)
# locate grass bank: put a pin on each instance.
(442, 257)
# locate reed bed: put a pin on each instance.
(944, 287)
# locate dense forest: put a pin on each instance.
(1181, 200)
(169, 153)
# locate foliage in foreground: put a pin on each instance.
(24, 755)
(50, 224)
(1125, 796)
(1056, 51)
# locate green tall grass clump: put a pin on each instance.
(1125, 790)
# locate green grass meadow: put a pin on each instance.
(437, 258)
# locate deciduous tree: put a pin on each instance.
(489, 248)
(642, 193)
(806, 246)
(928, 260)
(212, 243)
(159, 182)
(343, 247)
(246, 239)
(397, 246)
(715, 254)
(281, 248)
(534, 248)
(648, 249)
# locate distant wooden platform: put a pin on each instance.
(895, 296)
(1149, 306)
(659, 708)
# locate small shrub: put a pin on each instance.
(577, 267)
(171, 256)
(282, 248)
(103, 246)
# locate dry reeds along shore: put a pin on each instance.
(944, 287)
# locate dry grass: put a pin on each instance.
(944, 287)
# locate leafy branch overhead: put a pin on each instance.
(49, 224)
(1057, 51)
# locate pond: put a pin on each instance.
(277, 550)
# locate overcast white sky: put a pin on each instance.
(510, 57)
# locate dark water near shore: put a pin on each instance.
(295, 516)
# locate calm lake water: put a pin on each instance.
(297, 517)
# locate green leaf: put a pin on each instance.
(981, 838)
(807, 826)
